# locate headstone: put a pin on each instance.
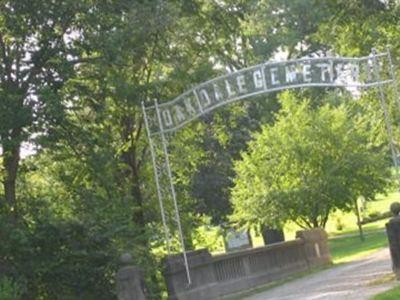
(272, 236)
(237, 240)
(130, 281)
(393, 234)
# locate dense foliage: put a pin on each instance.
(72, 78)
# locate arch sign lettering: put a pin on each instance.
(353, 74)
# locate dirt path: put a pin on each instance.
(355, 280)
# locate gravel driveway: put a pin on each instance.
(355, 280)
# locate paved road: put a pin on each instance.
(354, 280)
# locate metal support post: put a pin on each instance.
(178, 220)
(153, 157)
(393, 76)
(386, 115)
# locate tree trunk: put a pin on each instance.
(138, 215)
(129, 157)
(360, 229)
(11, 157)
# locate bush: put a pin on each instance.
(339, 224)
(59, 260)
(373, 214)
(9, 289)
(376, 216)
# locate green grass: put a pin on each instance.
(345, 249)
(346, 222)
(383, 202)
(371, 227)
(393, 294)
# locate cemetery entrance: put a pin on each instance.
(163, 119)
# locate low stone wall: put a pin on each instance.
(217, 276)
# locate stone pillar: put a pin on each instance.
(202, 275)
(130, 281)
(316, 247)
(393, 234)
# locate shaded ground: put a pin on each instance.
(360, 279)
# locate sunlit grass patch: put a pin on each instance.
(346, 249)
(393, 294)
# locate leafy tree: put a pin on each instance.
(306, 165)
(355, 26)
(96, 157)
(285, 27)
(40, 44)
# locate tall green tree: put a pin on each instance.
(78, 73)
(306, 165)
(41, 43)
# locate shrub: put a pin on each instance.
(339, 224)
(10, 289)
(65, 259)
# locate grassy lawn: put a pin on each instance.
(346, 222)
(345, 249)
(393, 294)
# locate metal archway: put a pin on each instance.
(357, 74)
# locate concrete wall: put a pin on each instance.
(217, 276)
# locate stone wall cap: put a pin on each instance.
(313, 234)
(175, 263)
(268, 248)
